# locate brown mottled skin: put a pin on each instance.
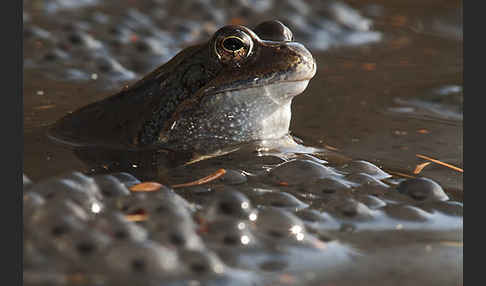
(207, 95)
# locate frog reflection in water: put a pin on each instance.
(237, 87)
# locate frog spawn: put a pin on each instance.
(74, 237)
(233, 230)
(93, 41)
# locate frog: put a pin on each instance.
(237, 87)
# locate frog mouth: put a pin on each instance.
(284, 84)
(279, 91)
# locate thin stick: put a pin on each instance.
(41, 107)
(440, 163)
(154, 186)
(401, 174)
(330, 147)
(204, 180)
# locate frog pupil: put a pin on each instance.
(232, 44)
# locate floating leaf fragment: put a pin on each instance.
(368, 66)
(76, 278)
(146, 187)
(423, 131)
(136, 217)
(237, 21)
(420, 167)
(400, 174)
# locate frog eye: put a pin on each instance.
(234, 48)
(232, 44)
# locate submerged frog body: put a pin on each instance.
(237, 87)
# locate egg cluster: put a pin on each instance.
(117, 41)
(245, 228)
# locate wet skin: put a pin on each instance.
(235, 88)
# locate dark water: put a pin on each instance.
(373, 101)
(388, 87)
